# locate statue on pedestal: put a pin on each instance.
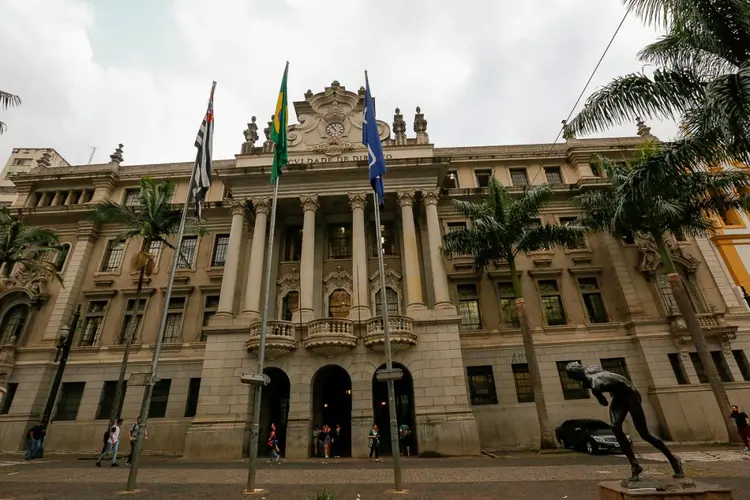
(625, 399)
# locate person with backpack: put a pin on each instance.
(273, 443)
(133, 435)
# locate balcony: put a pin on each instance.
(712, 324)
(280, 339)
(330, 336)
(401, 331)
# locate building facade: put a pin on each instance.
(466, 383)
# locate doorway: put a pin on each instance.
(332, 404)
(274, 409)
(404, 394)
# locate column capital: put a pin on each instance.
(405, 197)
(358, 200)
(431, 196)
(309, 202)
(87, 230)
(236, 207)
(262, 205)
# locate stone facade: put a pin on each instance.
(466, 380)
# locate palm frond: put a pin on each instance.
(550, 235)
(8, 100)
(684, 49)
(525, 209)
(667, 95)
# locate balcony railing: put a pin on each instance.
(280, 339)
(330, 336)
(401, 330)
(711, 323)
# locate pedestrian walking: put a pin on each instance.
(405, 437)
(321, 440)
(315, 433)
(327, 441)
(273, 444)
(135, 429)
(743, 426)
(373, 441)
(113, 444)
(336, 442)
(34, 440)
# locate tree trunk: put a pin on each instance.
(547, 439)
(687, 311)
(129, 336)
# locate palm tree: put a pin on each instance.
(33, 248)
(647, 198)
(702, 71)
(152, 219)
(7, 100)
(501, 227)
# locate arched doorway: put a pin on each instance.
(332, 405)
(274, 408)
(404, 393)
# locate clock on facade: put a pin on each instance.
(334, 129)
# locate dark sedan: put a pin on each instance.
(592, 436)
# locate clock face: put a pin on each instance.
(334, 129)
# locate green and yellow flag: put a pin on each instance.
(278, 131)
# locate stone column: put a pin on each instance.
(307, 260)
(413, 279)
(231, 267)
(75, 270)
(360, 302)
(257, 253)
(431, 197)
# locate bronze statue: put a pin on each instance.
(625, 399)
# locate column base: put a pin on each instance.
(303, 316)
(415, 307)
(248, 317)
(360, 313)
(215, 439)
(447, 307)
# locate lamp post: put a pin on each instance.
(64, 343)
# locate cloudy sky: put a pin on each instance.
(100, 72)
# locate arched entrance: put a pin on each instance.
(332, 404)
(274, 409)
(404, 393)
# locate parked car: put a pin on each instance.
(590, 435)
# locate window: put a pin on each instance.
(289, 305)
(592, 300)
(61, 257)
(8, 400)
(667, 297)
(154, 249)
(387, 240)
(553, 174)
(70, 399)
(113, 256)
(107, 399)
(468, 307)
(572, 389)
(159, 398)
(13, 323)
(340, 241)
(48, 197)
(680, 235)
(130, 327)
(699, 369)
(571, 221)
(596, 169)
(552, 304)
(187, 253)
(87, 195)
(628, 239)
(678, 368)
(339, 304)
(293, 243)
(725, 374)
(92, 322)
(616, 365)
(194, 389)
(132, 197)
(452, 227)
(76, 197)
(483, 178)
(518, 177)
(522, 378)
(22, 161)
(391, 301)
(741, 359)
(451, 180)
(221, 246)
(210, 306)
(508, 313)
(481, 385)
(173, 329)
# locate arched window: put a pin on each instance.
(289, 305)
(339, 304)
(13, 323)
(391, 300)
(667, 297)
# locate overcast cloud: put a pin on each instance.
(100, 72)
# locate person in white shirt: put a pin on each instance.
(112, 445)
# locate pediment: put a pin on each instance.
(330, 122)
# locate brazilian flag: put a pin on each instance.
(278, 131)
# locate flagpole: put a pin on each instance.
(255, 430)
(149, 389)
(395, 451)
